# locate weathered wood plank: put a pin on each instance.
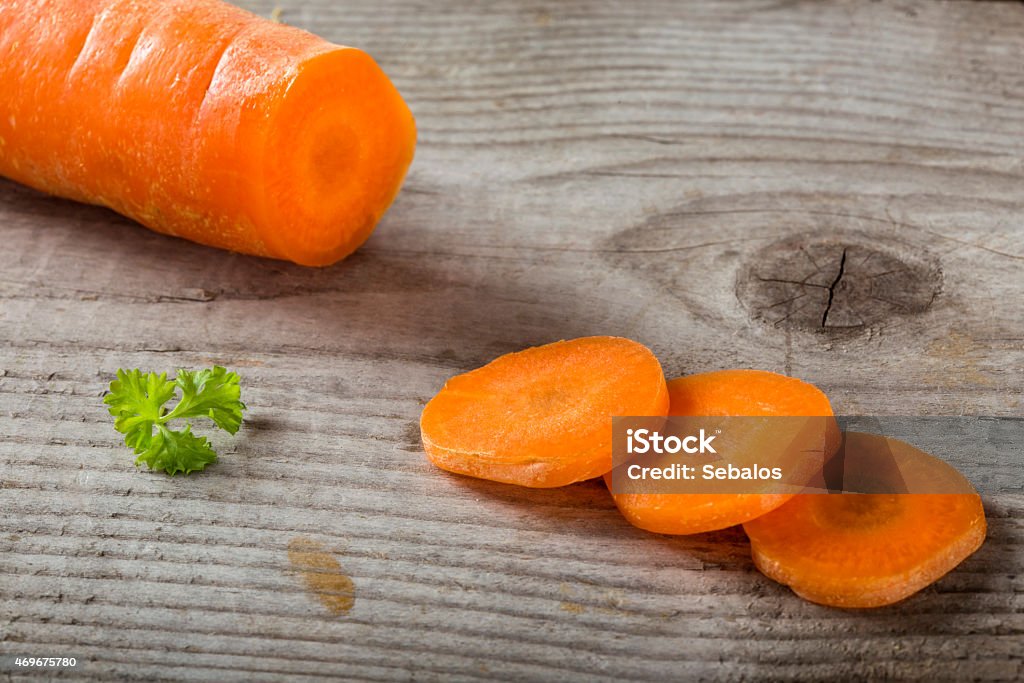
(584, 168)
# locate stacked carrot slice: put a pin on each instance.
(543, 417)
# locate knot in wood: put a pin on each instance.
(836, 285)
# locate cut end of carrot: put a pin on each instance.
(337, 152)
(870, 549)
(542, 417)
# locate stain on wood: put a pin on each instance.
(322, 574)
(961, 357)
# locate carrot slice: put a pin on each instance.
(201, 120)
(542, 417)
(871, 549)
(754, 393)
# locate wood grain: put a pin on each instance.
(584, 167)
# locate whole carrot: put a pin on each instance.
(201, 120)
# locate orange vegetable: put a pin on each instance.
(753, 393)
(542, 417)
(871, 549)
(201, 120)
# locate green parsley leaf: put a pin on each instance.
(210, 393)
(175, 452)
(138, 401)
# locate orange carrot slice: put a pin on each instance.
(201, 120)
(542, 417)
(871, 549)
(754, 393)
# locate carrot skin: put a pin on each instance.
(201, 120)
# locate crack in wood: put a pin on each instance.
(832, 289)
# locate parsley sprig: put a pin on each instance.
(137, 400)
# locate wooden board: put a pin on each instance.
(584, 167)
